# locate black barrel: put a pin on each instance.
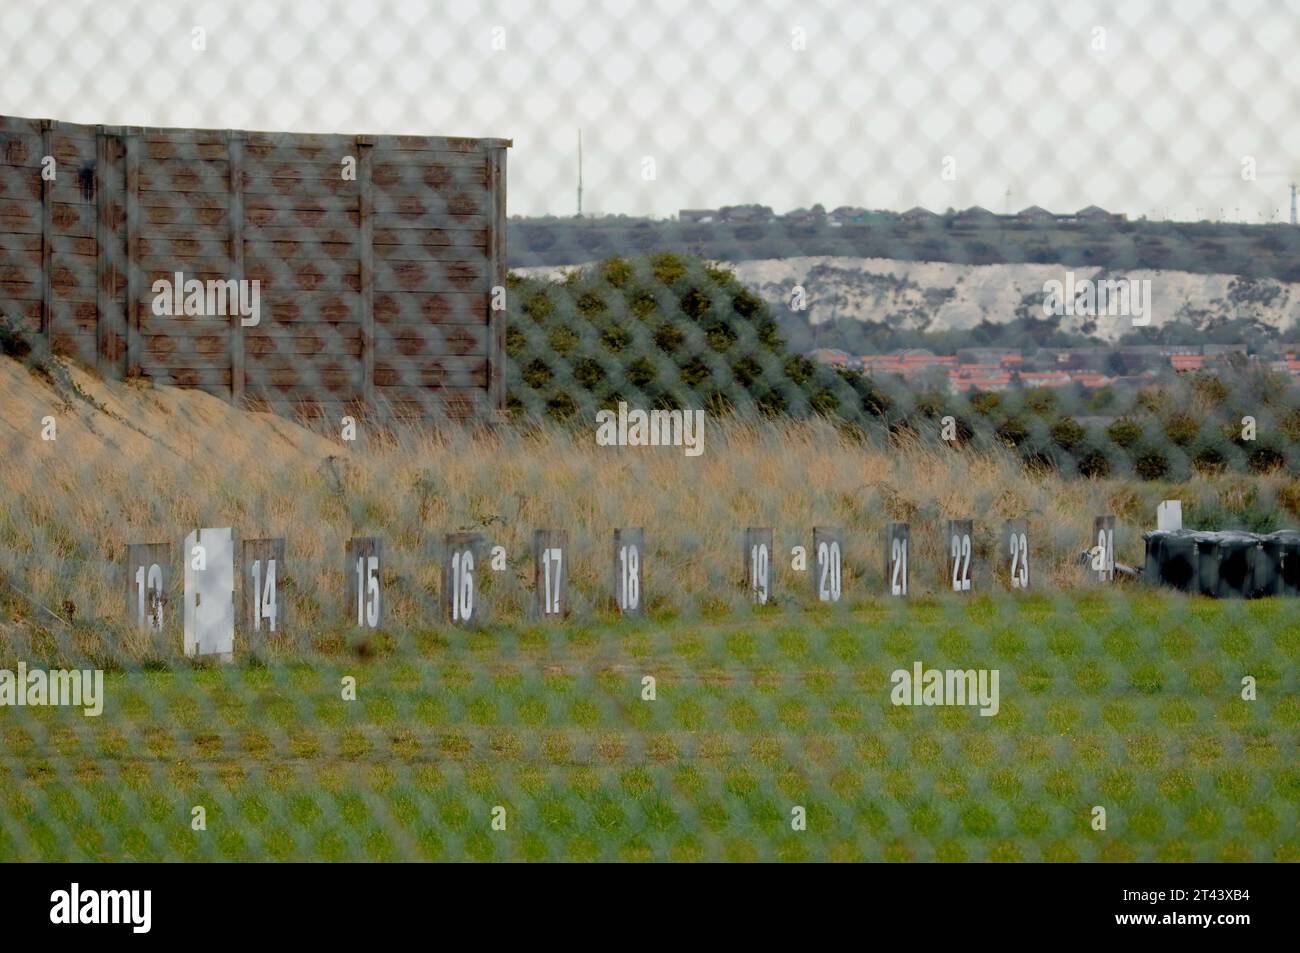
(1227, 563)
(1288, 550)
(1171, 559)
(1268, 565)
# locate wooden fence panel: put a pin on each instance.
(374, 289)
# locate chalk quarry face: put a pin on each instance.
(942, 296)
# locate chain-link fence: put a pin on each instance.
(707, 652)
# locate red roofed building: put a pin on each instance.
(1187, 362)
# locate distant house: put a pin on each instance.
(1187, 362)
(1035, 214)
(976, 215)
(1094, 213)
(699, 216)
(916, 214)
(805, 216)
(1218, 350)
(847, 215)
(833, 356)
(995, 356)
(745, 213)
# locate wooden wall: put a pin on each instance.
(375, 289)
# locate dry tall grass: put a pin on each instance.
(134, 463)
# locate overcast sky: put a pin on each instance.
(1141, 107)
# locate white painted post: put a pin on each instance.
(896, 540)
(629, 571)
(460, 577)
(758, 564)
(959, 546)
(1016, 551)
(209, 556)
(365, 576)
(264, 574)
(551, 573)
(148, 582)
(828, 564)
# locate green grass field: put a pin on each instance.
(1128, 699)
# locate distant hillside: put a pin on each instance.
(865, 305)
(1217, 248)
(932, 298)
(669, 331)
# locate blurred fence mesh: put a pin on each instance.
(1129, 699)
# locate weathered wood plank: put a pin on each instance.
(285, 308)
(450, 398)
(342, 252)
(297, 202)
(20, 148)
(431, 340)
(445, 308)
(259, 222)
(464, 275)
(23, 184)
(428, 376)
(47, 230)
(105, 275)
(434, 171)
(194, 176)
(300, 368)
(161, 249)
(206, 222)
(424, 237)
(20, 246)
(133, 289)
(334, 267)
(419, 219)
(366, 276)
(178, 327)
(497, 277)
(162, 149)
(212, 197)
(465, 251)
(235, 150)
(314, 182)
(190, 265)
(215, 380)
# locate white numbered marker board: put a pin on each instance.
(1015, 549)
(959, 546)
(460, 578)
(209, 556)
(551, 573)
(758, 564)
(365, 573)
(629, 571)
(263, 575)
(828, 564)
(1103, 547)
(896, 544)
(148, 580)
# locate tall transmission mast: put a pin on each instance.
(580, 176)
(1294, 220)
